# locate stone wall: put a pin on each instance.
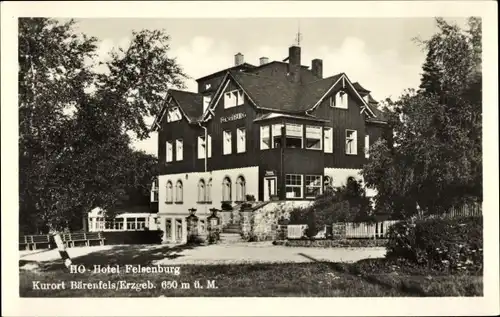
(262, 223)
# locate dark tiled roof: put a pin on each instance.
(191, 103)
(380, 115)
(361, 90)
(244, 66)
(278, 93)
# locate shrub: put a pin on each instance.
(133, 237)
(447, 244)
(250, 197)
(226, 206)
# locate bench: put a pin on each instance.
(69, 239)
(31, 241)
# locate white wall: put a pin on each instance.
(190, 189)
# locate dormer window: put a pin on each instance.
(233, 98)
(174, 114)
(339, 100)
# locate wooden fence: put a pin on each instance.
(472, 210)
(368, 230)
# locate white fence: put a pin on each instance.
(296, 231)
(349, 230)
(368, 230)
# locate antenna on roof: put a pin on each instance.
(299, 36)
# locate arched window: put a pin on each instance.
(226, 189)
(169, 196)
(208, 191)
(240, 189)
(201, 190)
(178, 191)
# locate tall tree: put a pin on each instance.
(73, 122)
(436, 159)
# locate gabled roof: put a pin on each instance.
(191, 103)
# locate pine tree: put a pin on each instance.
(430, 83)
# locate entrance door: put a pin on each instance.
(269, 187)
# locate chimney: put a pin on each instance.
(294, 63)
(263, 60)
(317, 67)
(238, 59)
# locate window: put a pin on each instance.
(351, 142)
(328, 140)
(226, 189)
(140, 223)
(226, 142)
(241, 142)
(293, 186)
(170, 193)
(367, 146)
(341, 98)
(201, 191)
(208, 191)
(294, 135)
(173, 114)
(131, 224)
(313, 186)
(169, 151)
(206, 102)
(314, 137)
(178, 192)
(277, 135)
(201, 147)
(233, 98)
(178, 150)
(154, 191)
(168, 228)
(208, 86)
(264, 138)
(240, 189)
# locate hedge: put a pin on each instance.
(133, 237)
(454, 245)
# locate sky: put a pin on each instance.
(380, 53)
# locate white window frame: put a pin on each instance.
(169, 151)
(201, 147)
(209, 145)
(287, 135)
(179, 191)
(276, 132)
(169, 193)
(174, 114)
(208, 191)
(227, 142)
(206, 102)
(312, 138)
(229, 193)
(237, 95)
(354, 138)
(301, 186)
(367, 146)
(263, 145)
(202, 191)
(154, 191)
(340, 100)
(328, 139)
(240, 188)
(319, 186)
(179, 150)
(241, 140)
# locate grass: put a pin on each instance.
(315, 279)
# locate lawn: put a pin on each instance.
(322, 279)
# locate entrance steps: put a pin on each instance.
(228, 238)
(231, 228)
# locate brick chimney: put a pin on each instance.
(294, 63)
(317, 67)
(263, 60)
(238, 59)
